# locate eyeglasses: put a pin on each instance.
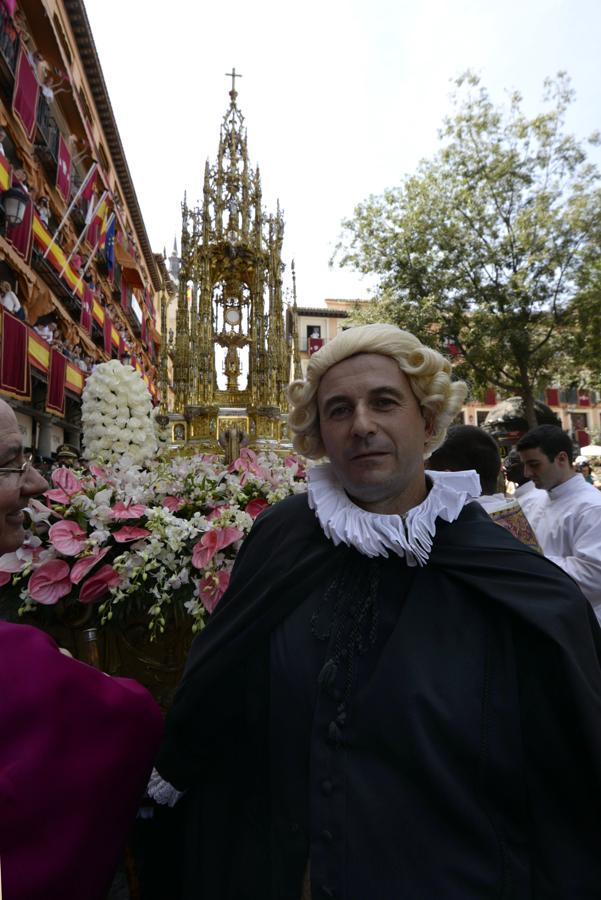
(21, 470)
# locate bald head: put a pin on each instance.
(15, 488)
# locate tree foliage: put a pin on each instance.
(483, 249)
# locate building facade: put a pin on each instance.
(579, 411)
(79, 283)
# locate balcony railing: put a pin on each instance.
(48, 130)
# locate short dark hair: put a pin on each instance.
(469, 447)
(548, 438)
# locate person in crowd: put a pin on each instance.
(67, 455)
(45, 332)
(469, 447)
(587, 473)
(10, 301)
(525, 491)
(43, 210)
(76, 747)
(20, 176)
(394, 697)
(567, 522)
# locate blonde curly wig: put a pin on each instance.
(429, 374)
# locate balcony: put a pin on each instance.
(47, 133)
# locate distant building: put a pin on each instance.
(579, 411)
(79, 261)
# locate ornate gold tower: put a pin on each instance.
(230, 317)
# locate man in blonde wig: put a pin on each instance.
(395, 700)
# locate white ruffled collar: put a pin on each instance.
(374, 534)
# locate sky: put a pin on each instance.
(341, 98)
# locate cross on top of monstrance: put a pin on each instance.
(233, 75)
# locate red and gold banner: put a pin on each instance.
(107, 328)
(26, 92)
(15, 373)
(55, 398)
(5, 173)
(20, 236)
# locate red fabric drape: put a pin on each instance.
(108, 327)
(86, 309)
(121, 347)
(15, 373)
(21, 236)
(124, 297)
(63, 170)
(55, 399)
(25, 95)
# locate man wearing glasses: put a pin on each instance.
(76, 746)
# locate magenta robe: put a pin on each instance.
(76, 749)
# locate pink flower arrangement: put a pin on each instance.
(162, 536)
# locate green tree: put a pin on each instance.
(482, 249)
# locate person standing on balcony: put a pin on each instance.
(10, 301)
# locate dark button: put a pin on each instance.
(327, 836)
(327, 892)
(327, 787)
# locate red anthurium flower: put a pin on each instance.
(211, 589)
(5, 577)
(50, 582)
(67, 537)
(211, 542)
(256, 506)
(130, 533)
(83, 566)
(128, 510)
(98, 584)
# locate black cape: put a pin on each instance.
(543, 645)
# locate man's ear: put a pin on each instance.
(428, 417)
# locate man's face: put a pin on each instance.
(14, 490)
(545, 474)
(374, 432)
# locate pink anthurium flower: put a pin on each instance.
(67, 537)
(83, 566)
(130, 533)
(50, 582)
(5, 577)
(211, 542)
(98, 584)
(67, 485)
(255, 507)
(97, 472)
(128, 510)
(211, 589)
(216, 512)
(173, 503)
(10, 563)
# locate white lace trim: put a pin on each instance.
(373, 534)
(161, 791)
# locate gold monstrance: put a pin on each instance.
(230, 317)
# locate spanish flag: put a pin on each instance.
(5, 173)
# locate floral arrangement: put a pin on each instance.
(124, 536)
(117, 415)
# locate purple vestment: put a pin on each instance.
(76, 749)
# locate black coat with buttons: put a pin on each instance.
(488, 712)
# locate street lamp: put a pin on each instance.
(14, 203)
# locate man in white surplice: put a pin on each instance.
(567, 522)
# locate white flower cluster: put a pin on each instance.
(117, 416)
